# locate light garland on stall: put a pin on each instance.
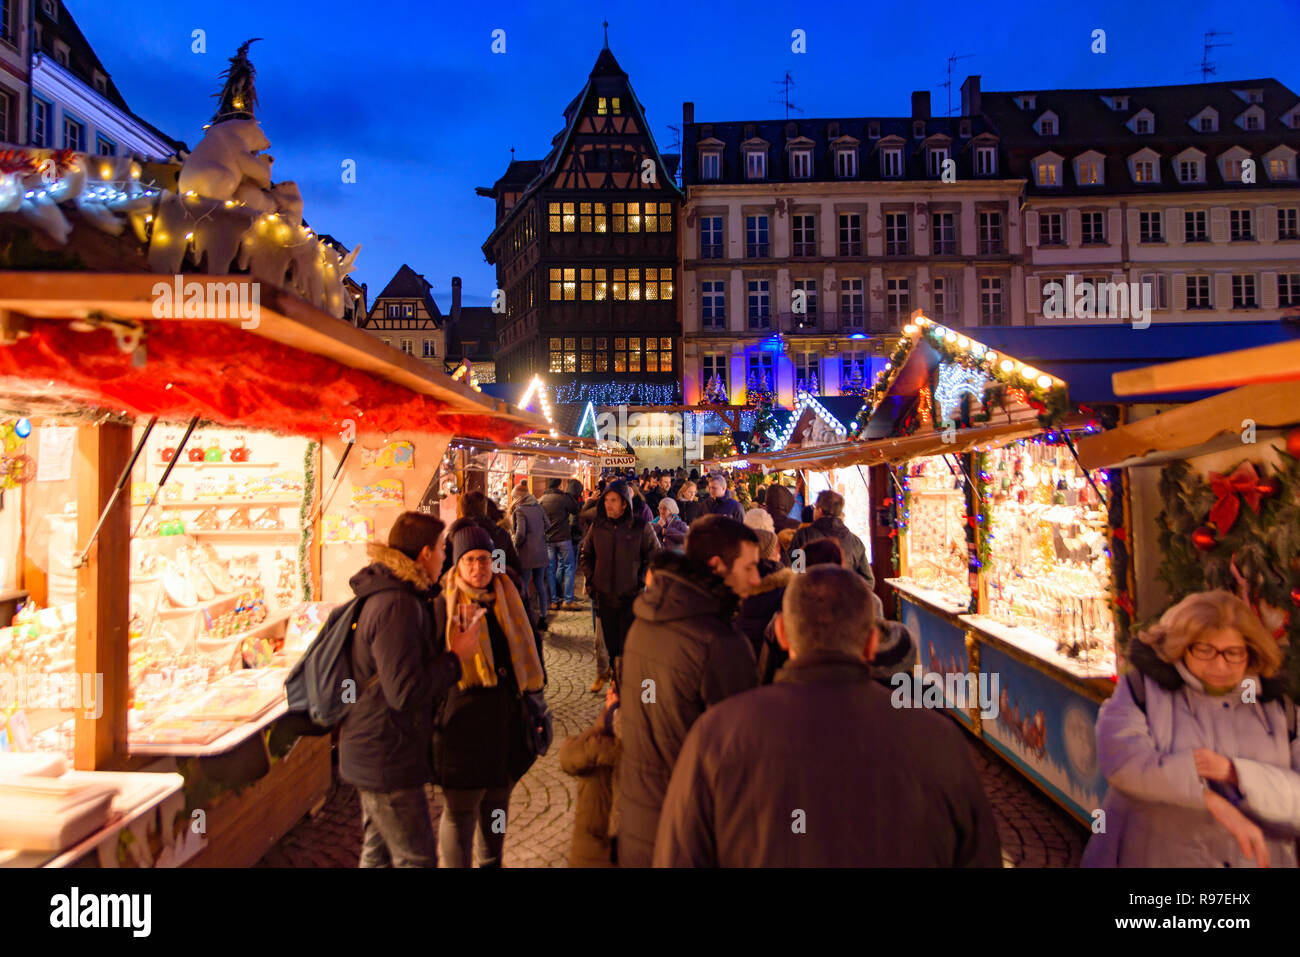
(806, 400)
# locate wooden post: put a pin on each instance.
(103, 602)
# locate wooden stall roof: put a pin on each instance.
(282, 318)
(1198, 428)
(1279, 362)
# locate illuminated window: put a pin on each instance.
(585, 356)
(602, 106)
(562, 217)
(592, 285)
(602, 354)
(658, 218)
(665, 283)
(570, 355)
(614, 107)
(564, 284)
(634, 285)
(620, 355)
(634, 355)
(619, 286)
(592, 218)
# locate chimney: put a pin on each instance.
(688, 113)
(970, 96)
(920, 104)
(455, 297)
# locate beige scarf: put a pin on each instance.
(513, 618)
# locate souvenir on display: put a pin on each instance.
(269, 519)
(384, 493)
(341, 528)
(178, 589)
(241, 452)
(214, 452)
(206, 520)
(195, 452)
(393, 455)
(239, 519)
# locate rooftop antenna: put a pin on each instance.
(676, 147)
(605, 24)
(947, 84)
(785, 83)
(1207, 67)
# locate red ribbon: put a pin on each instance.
(1125, 602)
(1120, 534)
(1230, 490)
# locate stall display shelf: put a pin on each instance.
(227, 465)
(227, 598)
(227, 501)
(1100, 665)
(238, 534)
(138, 794)
(928, 596)
(231, 739)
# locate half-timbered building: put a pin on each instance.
(585, 247)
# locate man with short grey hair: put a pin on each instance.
(771, 778)
(720, 501)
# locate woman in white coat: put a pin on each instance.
(1198, 746)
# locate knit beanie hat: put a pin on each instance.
(670, 504)
(759, 518)
(469, 538)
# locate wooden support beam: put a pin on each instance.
(1275, 363)
(103, 602)
(1271, 405)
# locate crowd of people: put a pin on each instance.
(746, 664)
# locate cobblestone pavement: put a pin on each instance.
(1034, 831)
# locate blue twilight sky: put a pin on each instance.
(413, 93)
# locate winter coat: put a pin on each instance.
(896, 653)
(1155, 807)
(641, 510)
(761, 605)
(855, 553)
(778, 503)
(384, 739)
(529, 525)
(478, 733)
(726, 505)
(652, 498)
(561, 510)
(591, 757)
(684, 643)
(878, 786)
(689, 511)
(614, 554)
(672, 535)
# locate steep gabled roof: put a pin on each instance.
(605, 66)
(408, 284)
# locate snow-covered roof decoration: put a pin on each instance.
(807, 402)
(225, 215)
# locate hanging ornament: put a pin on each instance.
(1295, 596)
(1293, 442)
(1268, 487)
(1205, 538)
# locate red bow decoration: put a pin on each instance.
(1125, 602)
(1230, 490)
(1120, 534)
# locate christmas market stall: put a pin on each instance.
(1000, 546)
(191, 462)
(1215, 487)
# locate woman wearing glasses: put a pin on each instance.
(480, 747)
(1198, 744)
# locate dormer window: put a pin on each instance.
(1190, 167)
(1089, 169)
(50, 8)
(1206, 121)
(1047, 170)
(891, 162)
(1281, 164)
(1026, 101)
(1250, 96)
(1143, 123)
(1144, 167)
(938, 155)
(1230, 164)
(61, 52)
(1117, 103)
(986, 161)
(100, 82)
(1046, 124)
(607, 105)
(801, 164)
(918, 129)
(1292, 119)
(755, 163)
(710, 165)
(846, 163)
(1252, 119)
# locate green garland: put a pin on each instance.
(985, 521)
(1264, 547)
(304, 513)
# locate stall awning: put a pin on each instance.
(1199, 428)
(1279, 362)
(291, 368)
(902, 448)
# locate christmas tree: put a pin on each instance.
(764, 421)
(238, 97)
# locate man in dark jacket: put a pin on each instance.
(684, 654)
(720, 501)
(828, 522)
(562, 511)
(773, 777)
(652, 492)
(384, 742)
(778, 502)
(528, 527)
(613, 558)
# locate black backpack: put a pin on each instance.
(316, 688)
(1138, 689)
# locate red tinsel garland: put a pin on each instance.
(232, 377)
